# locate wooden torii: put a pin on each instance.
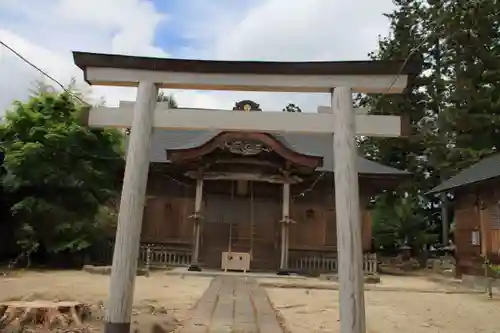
(340, 79)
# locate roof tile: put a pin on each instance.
(487, 168)
(309, 144)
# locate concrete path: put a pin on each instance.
(233, 305)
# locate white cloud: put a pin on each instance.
(133, 22)
(16, 76)
(222, 29)
(286, 30)
(119, 26)
(306, 30)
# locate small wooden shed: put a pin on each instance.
(476, 192)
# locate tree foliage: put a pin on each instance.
(453, 104)
(164, 98)
(401, 221)
(58, 173)
(292, 108)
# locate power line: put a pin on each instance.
(309, 189)
(20, 56)
(433, 27)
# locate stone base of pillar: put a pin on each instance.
(284, 272)
(194, 268)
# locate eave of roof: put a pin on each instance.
(195, 151)
(486, 169)
(313, 145)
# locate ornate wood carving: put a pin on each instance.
(247, 106)
(244, 147)
(266, 140)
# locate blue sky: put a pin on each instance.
(46, 31)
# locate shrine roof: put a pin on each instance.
(307, 144)
(486, 169)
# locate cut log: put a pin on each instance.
(47, 313)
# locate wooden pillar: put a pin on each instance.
(284, 226)
(366, 223)
(444, 217)
(352, 307)
(128, 233)
(367, 230)
(197, 228)
(287, 246)
(485, 229)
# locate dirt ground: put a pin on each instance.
(388, 282)
(398, 304)
(158, 298)
(411, 309)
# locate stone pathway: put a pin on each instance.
(233, 305)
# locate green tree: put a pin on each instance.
(292, 108)
(403, 43)
(58, 173)
(454, 104)
(471, 39)
(399, 221)
(162, 97)
(409, 39)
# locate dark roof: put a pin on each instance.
(369, 67)
(309, 144)
(486, 169)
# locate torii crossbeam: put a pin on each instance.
(182, 119)
(340, 79)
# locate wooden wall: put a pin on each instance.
(490, 223)
(477, 228)
(316, 227)
(169, 205)
(228, 216)
(466, 223)
(166, 220)
(167, 209)
(495, 229)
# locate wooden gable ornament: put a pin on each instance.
(247, 106)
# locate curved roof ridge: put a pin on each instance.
(307, 144)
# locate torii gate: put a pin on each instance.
(340, 79)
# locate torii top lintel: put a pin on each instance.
(318, 77)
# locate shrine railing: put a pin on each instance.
(330, 264)
(158, 255)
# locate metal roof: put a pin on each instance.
(487, 168)
(309, 144)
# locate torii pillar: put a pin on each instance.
(148, 74)
(349, 244)
(128, 231)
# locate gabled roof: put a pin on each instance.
(486, 169)
(308, 144)
(280, 147)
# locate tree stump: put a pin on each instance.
(46, 313)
